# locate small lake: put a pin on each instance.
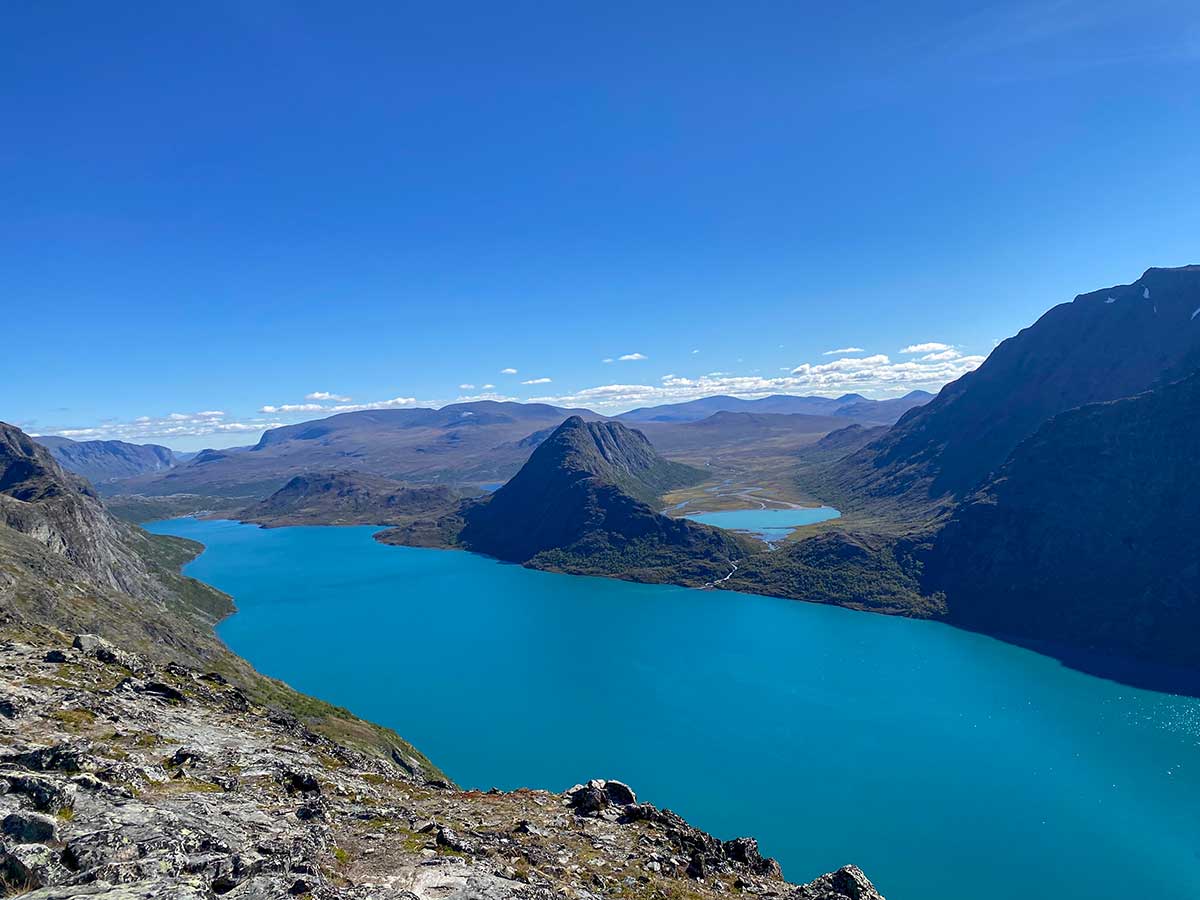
(769, 524)
(947, 764)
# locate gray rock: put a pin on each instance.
(847, 883)
(47, 795)
(29, 866)
(26, 827)
(98, 648)
(598, 796)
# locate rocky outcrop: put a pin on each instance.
(347, 497)
(111, 790)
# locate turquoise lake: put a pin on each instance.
(769, 524)
(933, 758)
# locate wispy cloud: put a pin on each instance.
(928, 347)
(940, 355)
(842, 350)
(632, 357)
(537, 381)
(486, 395)
(608, 359)
(877, 374)
(176, 425)
(327, 395)
(508, 371)
(292, 408)
(466, 387)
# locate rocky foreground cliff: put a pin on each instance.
(121, 780)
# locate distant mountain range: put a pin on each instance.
(466, 443)
(848, 406)
(583, 504)
(103, 461)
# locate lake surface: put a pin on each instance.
(946, 764)
(769, 524)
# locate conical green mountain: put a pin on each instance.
(580, 505)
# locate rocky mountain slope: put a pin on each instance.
(580, 505)
(129, 781)
(1104, 345)
(349, 498)
(66, 563)
(102, 461)
(1088, 535)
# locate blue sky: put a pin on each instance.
(231, 207)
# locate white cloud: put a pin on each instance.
(537, 381)
(842, 350)
(158, 429)
(508, 371)
(486, 395)
(292, 408)
(326, 395)
(488, 387)
(929, 347)
(876, 374)
(631, 357)
(608, 360)
(377, 404)
(466, 387)
(943, 354)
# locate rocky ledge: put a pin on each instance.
(121, 781)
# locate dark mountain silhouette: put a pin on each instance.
(1089, 534)
(1102, 346)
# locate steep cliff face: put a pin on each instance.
(62, 512)
(1089, 534)
(1102, 346)
(576, 506)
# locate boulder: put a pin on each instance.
(28, 866)
(26, 827)
(847, 883)
(599, 796)
(98, 648)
